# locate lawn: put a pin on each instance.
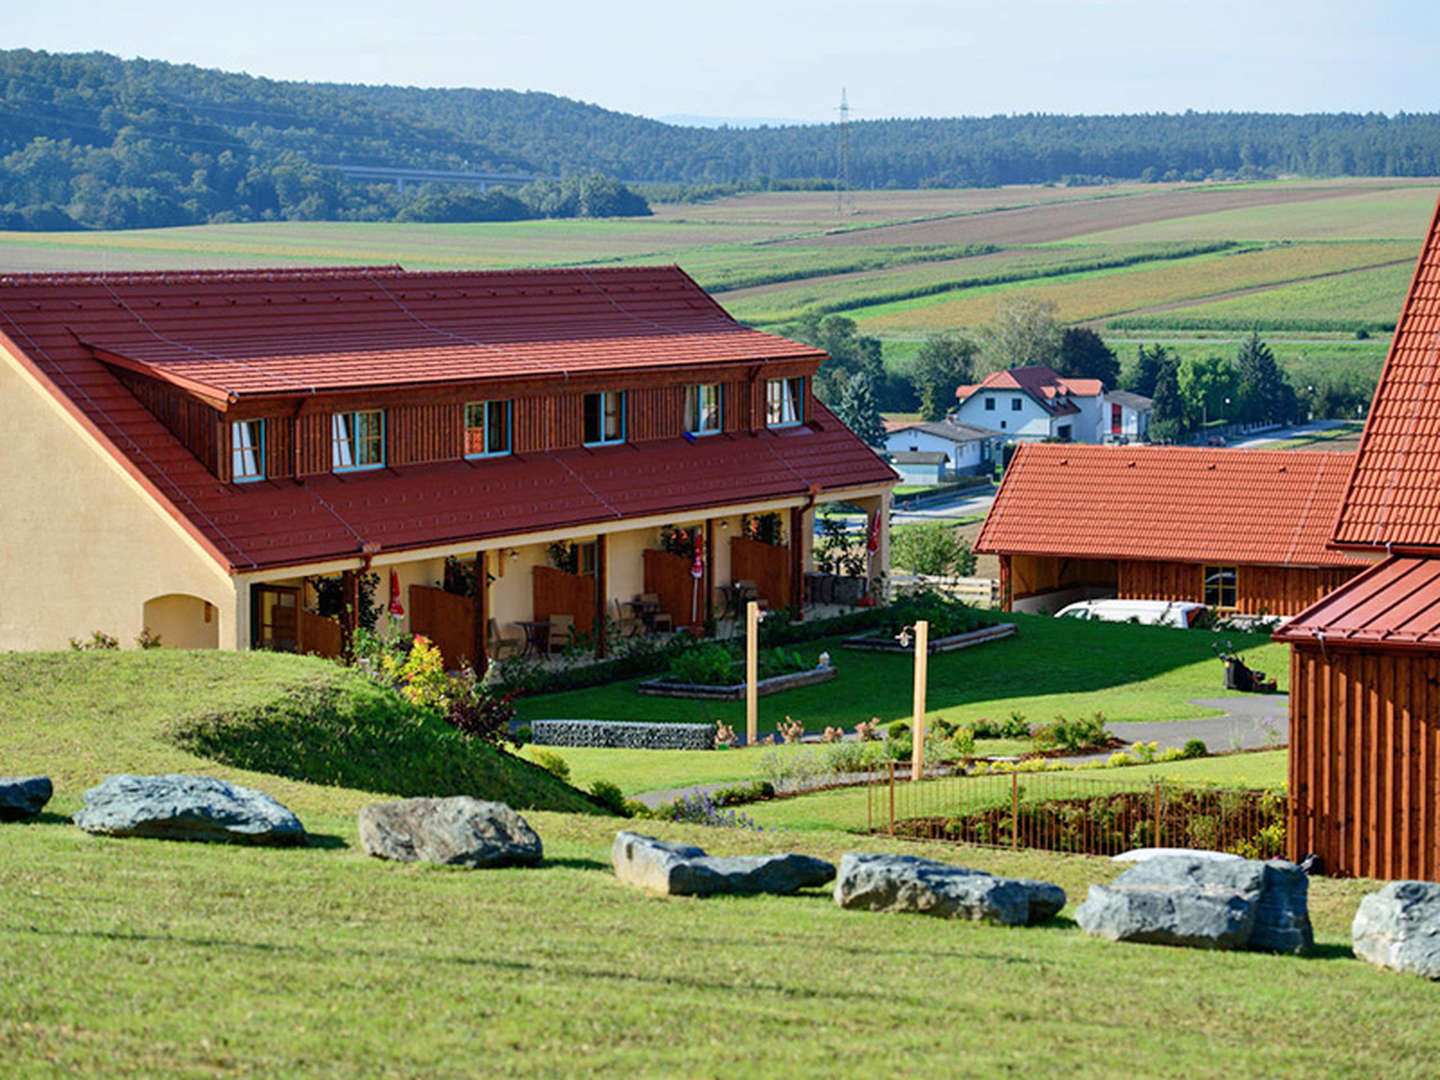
(1320, 440)
(173, 959)
(1050, 666)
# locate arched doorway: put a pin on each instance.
(183, 622)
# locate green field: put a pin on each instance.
(164, 959)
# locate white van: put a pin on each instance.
(1150, 612)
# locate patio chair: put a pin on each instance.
(661, 619)
(499, 645)
(627, 624)
(562, 632)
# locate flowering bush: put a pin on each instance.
(701, 809)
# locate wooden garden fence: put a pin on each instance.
(1065, 812)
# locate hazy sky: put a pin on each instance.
(779, 59)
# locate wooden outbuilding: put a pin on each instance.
(1365, 661)
(1244, 531)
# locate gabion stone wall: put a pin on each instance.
(616, 733)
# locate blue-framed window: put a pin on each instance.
(785, 401)
(604, 418)
(702, 409)
(357, 440)
(487, 428)
(247, 451)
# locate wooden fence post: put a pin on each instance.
(1014, 811)
(1157, 814)
(891, 763)
(752, 635)
(922, 668)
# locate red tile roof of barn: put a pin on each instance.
(1396, 602)
(1391, 500)
(287, 522)
(1046, 385)
(1169, 503)
(233, 333)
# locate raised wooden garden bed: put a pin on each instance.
(885, 643)
(736, 691)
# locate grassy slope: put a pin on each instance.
(80, 717)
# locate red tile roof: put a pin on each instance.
(1393, 498)
(1170, 503)
(227, 334)
(287, 522)
(1396, 603)
(1046, 385)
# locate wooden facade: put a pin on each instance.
(1365, 760)
(427, 425)
(668, 577)
(767, 565)
(1260, 590)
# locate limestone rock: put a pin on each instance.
(907, 883)
(1185, 899)
(1145, 854)
(1399, 928)
(457, 831)
(23, 796)
(177, 807)
(684, 870)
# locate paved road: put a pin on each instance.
(1251, 722)
(1288, 433)
(955, 507)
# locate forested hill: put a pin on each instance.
(94, 140)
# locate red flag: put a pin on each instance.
(872, 545)
(697, 568)
(396, 607)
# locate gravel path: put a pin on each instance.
(1250, 722)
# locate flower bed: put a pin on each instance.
(669, 687)
(885, 643)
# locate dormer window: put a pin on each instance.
(357, 440)
(487, 428)
(604, 418)
(785, 401)
(702, 409)
(247, 451)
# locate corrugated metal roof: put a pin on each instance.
(1395, 603)
(237, 333)
(1169, 503)
(1393, 497)
(289, 522)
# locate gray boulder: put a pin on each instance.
(1185, 900)
(458, 831)
(907, 883)
(684, 870)
(1145, 854)
(23, 796)
(1399, 928)
(177, 807)
(1203, 917)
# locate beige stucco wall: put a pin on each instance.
(183, 622)
(82, 546)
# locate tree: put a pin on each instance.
(1209, 387)
(859, 411)
(931, 548)
(1148, 363)
(1023, 332)
(849, 352)
(1084, 355)
(1167, 419)
(1265, 391)
(944, 362)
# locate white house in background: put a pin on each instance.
(967, 449)
(920, 467)
(1129, 416)
(1029, 404)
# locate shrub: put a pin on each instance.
(552, 763)
(898, 730)
(1082, 733)
(738, 794)
(845, 757)
(99, 641)
(701, 809)
(933, 548)
(522, 735)
(1195, 748)
(707, 665)
(476, 710)
(147, 640)
(792, 731)
(608, 795)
